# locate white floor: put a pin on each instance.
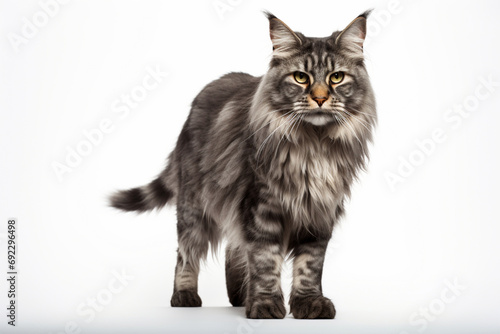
(229, 320)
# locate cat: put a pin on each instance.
(267, 163)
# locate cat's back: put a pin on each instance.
(235, 86)
(212, 135)
(220, 110)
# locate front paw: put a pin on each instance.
(272, 307)
(185, 298)
(312, 307)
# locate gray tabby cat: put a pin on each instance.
(267, 162)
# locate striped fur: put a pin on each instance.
(261, 162)
(149, 197)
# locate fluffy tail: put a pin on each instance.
(145, 198)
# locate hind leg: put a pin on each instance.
(193, 239)
(185, 285)
(235, 276)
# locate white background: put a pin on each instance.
(391, 257)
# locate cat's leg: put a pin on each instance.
(193, 246)
(236, 270)
(306, 299)
(265, 253)
(185, 284)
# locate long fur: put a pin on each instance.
(250, 167)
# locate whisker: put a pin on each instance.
(346, 122)
(301, 117)
(274, 119)
(291, 123)
(267, 114)
(361, 112)
(363, 122)
(259, 151)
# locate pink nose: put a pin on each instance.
(320, 100)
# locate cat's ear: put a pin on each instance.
(353, 36)
(284, 39)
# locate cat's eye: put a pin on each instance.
(301, 77)
(337, 77)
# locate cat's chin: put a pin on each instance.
(320, 119)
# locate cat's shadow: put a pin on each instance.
(213, 312)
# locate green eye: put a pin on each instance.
(337, 77)
(301, 77)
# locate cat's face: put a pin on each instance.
(321, 81)
(317, 84)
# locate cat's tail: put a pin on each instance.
(153, 195)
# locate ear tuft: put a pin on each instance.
(283, 38)
(353, 36)
(366, 13)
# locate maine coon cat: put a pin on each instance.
(267, 162)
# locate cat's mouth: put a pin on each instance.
(319, 117)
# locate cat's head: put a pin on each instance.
(319, 82)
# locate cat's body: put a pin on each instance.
(250, 165)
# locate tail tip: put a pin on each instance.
(128, 200)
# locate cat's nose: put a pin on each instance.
(319, 93)
(320, 99)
